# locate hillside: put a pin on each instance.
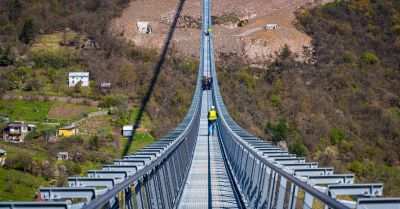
(340, 106)
(40, 43)
(46, 47)
(251, 40)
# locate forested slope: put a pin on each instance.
(25, 24)
(340, 106)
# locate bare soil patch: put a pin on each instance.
(257, 44)
(94, 124)
(63, 111)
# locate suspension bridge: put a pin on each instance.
(189, 169)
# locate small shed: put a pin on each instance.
(76, 77)
(105, 86)
(67, 131)
(31, 127)
(2, 117)
(3, 156)
(127, 130)
(144, 27)
(62, 156)
(6, 120)
(271, 26)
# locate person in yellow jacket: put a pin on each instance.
(212, 119)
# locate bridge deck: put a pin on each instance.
(207, 185)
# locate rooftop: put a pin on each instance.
(127, 128)
(79, 74)
(67, 127)
(16, 124)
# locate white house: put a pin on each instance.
(271, 26)
(144, 27)
(62, 156)
(75, 77)
(127, 130)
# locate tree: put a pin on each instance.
(5, 56)
(279, 131)
(298, 148)
(28, 32)
(285, 53)
(94, 142)
(337, 136)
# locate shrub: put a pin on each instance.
(76, 169)
(21, 160)
(56, 59)
(112, 100)
(189, 65)
(92, 84)
(355, 167)
(275, 100)
(248, 80)
(278, 86)
(337, 136)
(94, 142)
(78, 87)
(369, 58)
(298, 148)
(345, 146)
(349, 57)
(33, 84)
(286, 53)
(5, 56)
(279, 131)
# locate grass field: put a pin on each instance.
(16, 185)
(37, 111)
(51, 42)
(30, 111)
(130, 117)
(13, 148)
(141, 140)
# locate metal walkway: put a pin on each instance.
(196, 190)
(187, 169)
(208, 184)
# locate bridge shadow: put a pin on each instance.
(154, 79)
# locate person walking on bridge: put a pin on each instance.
(212, 119)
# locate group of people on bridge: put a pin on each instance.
(206, 82)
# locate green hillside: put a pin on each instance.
(341, 105)
(41, 41)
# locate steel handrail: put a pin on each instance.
(333, 203)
